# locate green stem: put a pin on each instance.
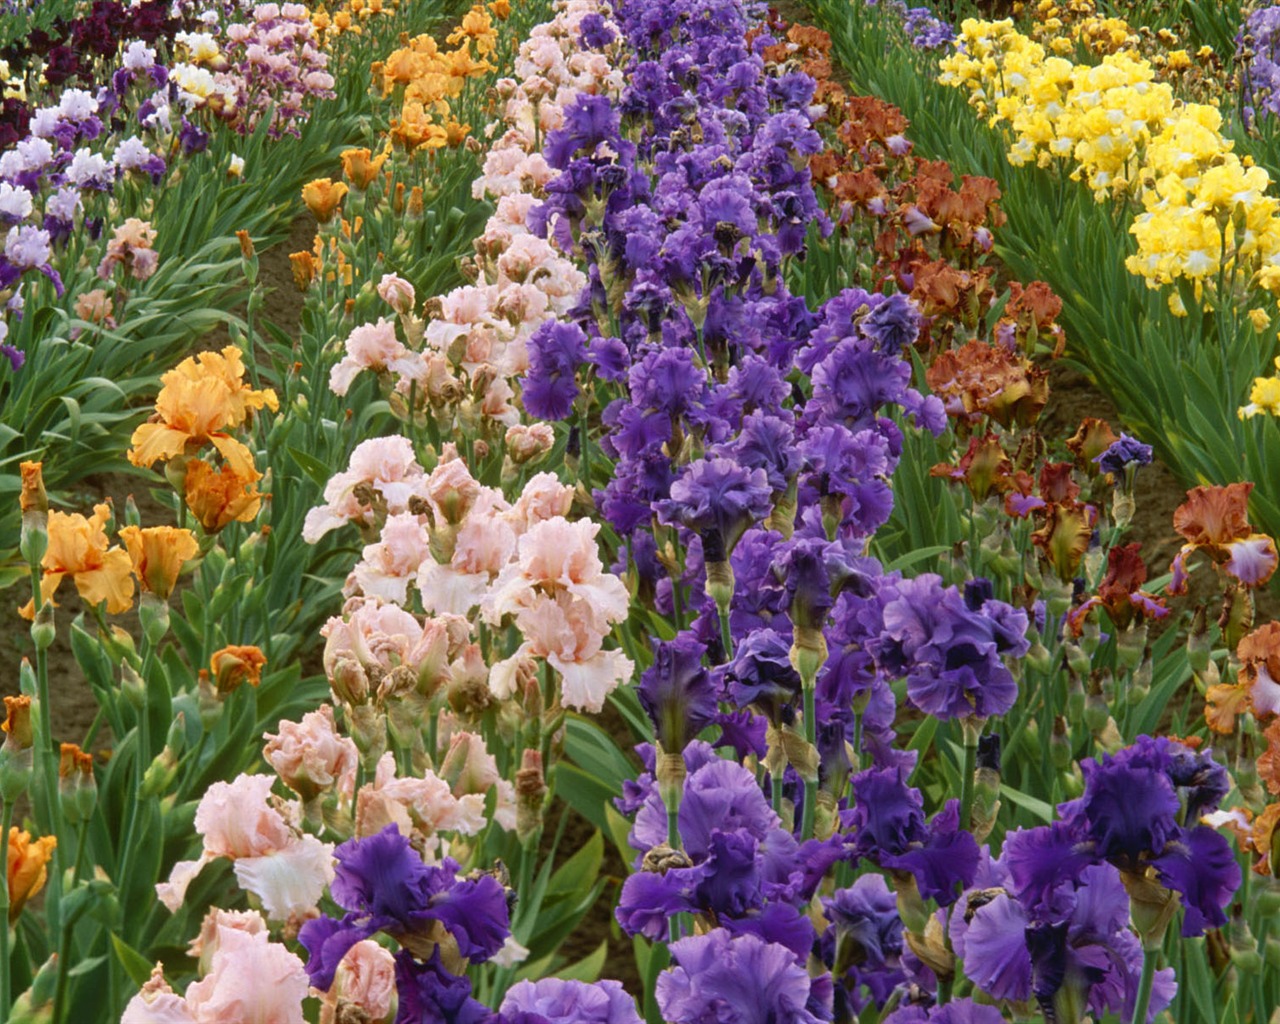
(6, 996)
(64, 942)
(966, 778)
(726, 638)
(1149, 957)
(810, 785)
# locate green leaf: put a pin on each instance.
(588, 968)
(578, 873)
(134, 963)
(1039, 808)
(315, 470)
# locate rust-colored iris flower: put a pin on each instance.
(1121, 593)
(1215, 520)
(1257, 686)
(978, 379)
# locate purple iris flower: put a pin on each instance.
(384, 885)
(957, 1011)
(719, 500)
(560, 1001)
(736, 980)
(761, 675)
(676, 691)
(1122, 454)
(866, 930)
(950, 653)
(888, 827)
(428, 992)
(556, 350)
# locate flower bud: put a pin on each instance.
(1199, 643)
(34, 503)
(133, 685)
(76, 784)
(1151, 908)
(531, 792)
(986, 788)
(234, 665)
(160, 774)
(43, 630)
(17, 755)
(808, 654)
(397, 293)
(35, 1005)
(349, 682)
(720, 584)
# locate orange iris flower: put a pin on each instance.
(28, 867)
(203, 397)
(79, 548)
(158, 554)
(216, 497)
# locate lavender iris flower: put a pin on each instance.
(736, 980)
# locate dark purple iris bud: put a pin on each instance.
(720, 976)
(15, 356)
(429, 992)
(385, 886)
(550, 385)
(761, 676)
(1124, 454)
(719, 500)
(677, 693)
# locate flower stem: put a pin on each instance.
(1149, 957)
(810, 785)
(6, 996)
(966, 778)
(726, 638)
